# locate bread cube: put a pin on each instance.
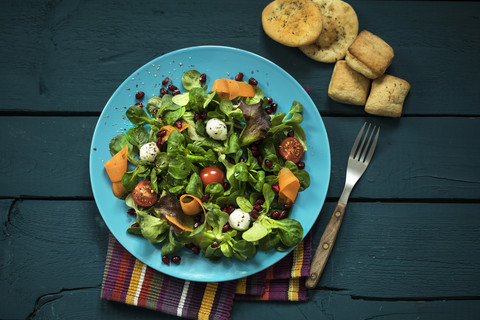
(369, 55)
(348, 86)
(387, 96)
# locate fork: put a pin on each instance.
(358, 162)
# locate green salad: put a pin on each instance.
(223, 154)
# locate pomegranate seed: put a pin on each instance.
(166, 260)
(239, 76)
(198, 218)
(226, 227)
(176, 259)
(196, 117)
(232, 161)
(268, 163)
(203, 77)
(159, 142)
(290, 133)
(140, 95)
(301, 165)
(189, 245)
(241, 160)
(274, 107)
(226, 185)
(131, 211)
(203, 115)
(255, 153)
(214, 244)
(178, 124)
(283, 215)
(252, 81)
(174, 93)
(205, 197)
(136, 225)
(260, 201)
(257, 207)
(196, 224)
(163, 91)
(171, 87)
(275, 188)
(269, 100)
(260, 160)
(254, 214)
(268, 110)
(275, 214)
(196, 249)
(254, 147)
(161, 133)
(139, 104)
(165, 81)
(257, 143)
(230, 209)
(287, 205)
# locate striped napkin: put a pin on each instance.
(128, 280)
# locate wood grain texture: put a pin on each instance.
(324, 304)
(325, 245)
(408, 247)
(394, 255)
(416, 158)
(404, 251)
(47, 247)
(55, 59)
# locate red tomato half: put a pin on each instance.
(291, 149)
(211, 175)
(143, 194)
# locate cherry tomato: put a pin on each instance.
(143, 194)
(291, 149)
(211, 175)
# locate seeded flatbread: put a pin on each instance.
(340, 27)
(292, 23)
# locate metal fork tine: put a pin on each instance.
(359, 152)
(372, 147)
(364, 151)
(357, 140)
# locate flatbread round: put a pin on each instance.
(339, 30)
(293, 23)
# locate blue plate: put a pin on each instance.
(216, 62)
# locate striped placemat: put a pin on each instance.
(127, 280)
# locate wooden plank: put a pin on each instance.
(404, 251)
(385, 252)
(47, 246)
(85, 304)
(416, 158)
(69, 64)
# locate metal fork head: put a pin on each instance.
(359, 159)
(362, 151)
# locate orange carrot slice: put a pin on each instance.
(117, 165)
(231, 89)
(169, 129)
(289, 186)
(177, 223)
(118, 189)
(191, 207)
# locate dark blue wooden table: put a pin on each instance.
(409, 247)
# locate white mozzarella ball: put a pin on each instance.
(149, 151)
(239, 220)
(217, 129)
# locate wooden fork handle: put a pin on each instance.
(325, 246)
